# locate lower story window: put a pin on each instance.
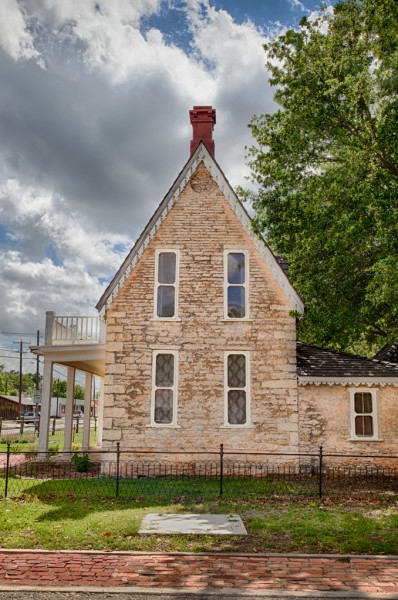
(164, 388)
(363, 414)
(236, 389)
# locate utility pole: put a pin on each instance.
(21, 350)
(37, 361)
(20, 379)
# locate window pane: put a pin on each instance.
(166, 301)
(364, 426)
(236, 371)
(236, 407)
(367, 402)
(363, 403)
(164, 376)
(167, 267)
(236, 267)
(164, 406)
(236, 302)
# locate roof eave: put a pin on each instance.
(353, 381)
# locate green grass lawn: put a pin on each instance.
(68, 521)
(28, 442)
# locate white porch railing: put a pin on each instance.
(63, 330)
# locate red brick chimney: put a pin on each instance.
(203, 119)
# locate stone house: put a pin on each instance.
(198, 345)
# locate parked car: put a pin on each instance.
(29, 417)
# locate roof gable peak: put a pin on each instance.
(201, 154)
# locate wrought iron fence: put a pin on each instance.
(170, 476)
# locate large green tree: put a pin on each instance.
(327, 167)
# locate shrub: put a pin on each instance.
(81, 462)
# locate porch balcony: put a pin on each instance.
(77, 343)
(66, 331)
(72, 341)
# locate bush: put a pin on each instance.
(81, 462)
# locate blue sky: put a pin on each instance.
(94, 128)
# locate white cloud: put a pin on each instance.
(90, 144)
(29, 286)
(14, 37)
(297, 4)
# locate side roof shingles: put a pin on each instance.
(389, 353)
(317, 362)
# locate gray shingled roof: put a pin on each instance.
(317, 362)
(389, 352)
(283, 263)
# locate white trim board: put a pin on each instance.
(356, 381)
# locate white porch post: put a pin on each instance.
(70, 400)
(100, 414)
(87, 407)
(45, 405)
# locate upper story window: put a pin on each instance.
(166, 284)
(236, 412)
(235, 284)
(164, 388)
(364, 414)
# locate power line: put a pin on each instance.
(14, 357)
(18, 333)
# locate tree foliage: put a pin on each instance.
(9, 382)
(9, 385)
(327, 167)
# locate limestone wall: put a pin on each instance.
(201, 225)
(324, 419)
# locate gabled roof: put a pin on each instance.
(316, 365)
(25, 400)
(200, 154)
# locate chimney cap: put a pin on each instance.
(203, 119)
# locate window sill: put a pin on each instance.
(236, 426)
(236, 320)
(163, 426)
(166, 319)
(364, 439)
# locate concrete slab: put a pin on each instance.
(193, 523)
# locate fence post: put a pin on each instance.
(221, 468)
(1, 424)
(53, 429)
(320, 469)
(21, 425)
(7, 469)
(117, 467)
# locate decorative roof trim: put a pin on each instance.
(353, 381)
(200, 154)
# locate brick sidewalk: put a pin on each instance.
(200, 571)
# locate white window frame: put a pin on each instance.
(174, 388)
(246, 389)
(373, 414)
(245, 285)
(175, 317)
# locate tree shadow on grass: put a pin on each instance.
(75, 498)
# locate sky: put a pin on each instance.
(94, 128)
